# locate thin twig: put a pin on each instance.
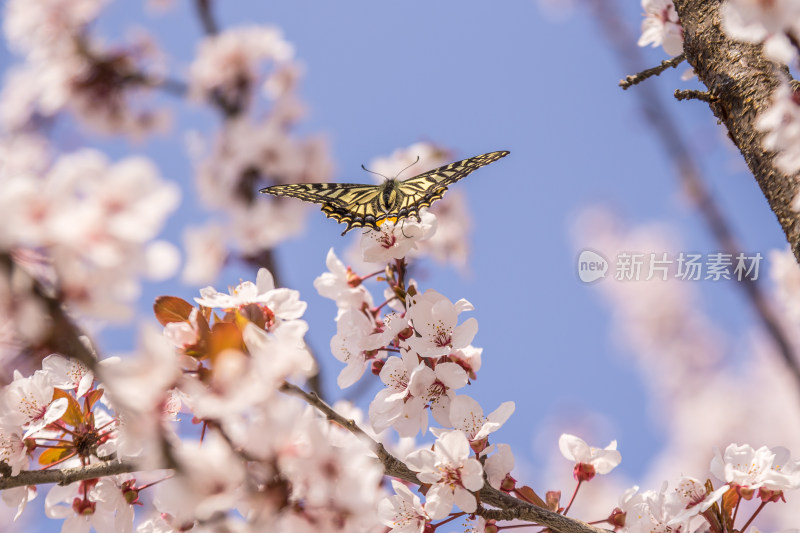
(620, 36)
(694, 94)
(634, 79)
(206, 17)
(510, 508)
(63, 337)
(65, 476)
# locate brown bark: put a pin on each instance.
(741, 82)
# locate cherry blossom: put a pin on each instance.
(435, 318)
(205, 253)
(466, 414)
(209, 480)
(82, 509)
(403, 512)
(69, 373)
(280, 354)
(19, 497)
(66, 69)
(394, 403)
(282, 303)
(450, 242)
(694, 497)
(763, 22)
(332, 477)
(41, 28)
(781, 122)
(93, 218)
(469, 358)
(661, 26)
(13, 451)
(452, 473)
(227, 64)
(395, 240)
(436, 388)
(499, 465)
(588, 459)
(342, 285)
(232, 388)
(184, 335)
(245, 150)
(28, 402)
(430, 156)
(139, 388)
(748, 470)
(355, 337)
(649, 511)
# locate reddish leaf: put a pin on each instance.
(729, 501)
(91, 399)
(171, 309)
(259, 315)
(74, 415)
(225, 335)
(53, 455)
(528, 494)
(553, 498)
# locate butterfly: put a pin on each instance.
(370, 206)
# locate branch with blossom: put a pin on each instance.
(250, 457)
(662, 27)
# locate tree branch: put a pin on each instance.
(692, 94)
(743, 81)
(635, 79)
(206, 17)
(510, 508)
(65, 476)
(689, 171)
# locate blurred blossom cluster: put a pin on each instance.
(206, 426)
(661, 26)
(254, 147)
(66, 69)
(264, 458)
(83, 227)
(699, 395)
(775, 25)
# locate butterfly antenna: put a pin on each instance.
(409, 166)
(373, 172)
(403, 229)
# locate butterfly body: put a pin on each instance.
(359, 205)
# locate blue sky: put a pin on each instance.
(478, 77)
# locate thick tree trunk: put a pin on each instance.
(740, 81)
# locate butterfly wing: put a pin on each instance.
(370, 205)
(350, 203)
(424, 189)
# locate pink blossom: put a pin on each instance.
(403, 512)
(342, 285)
(781, 122)
(588, 459)
(452, 473)
(661, 26)
(395, 240)
(435, 319)
(466, 414)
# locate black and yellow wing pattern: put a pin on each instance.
(371, 205)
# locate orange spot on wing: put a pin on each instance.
(387, 219)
